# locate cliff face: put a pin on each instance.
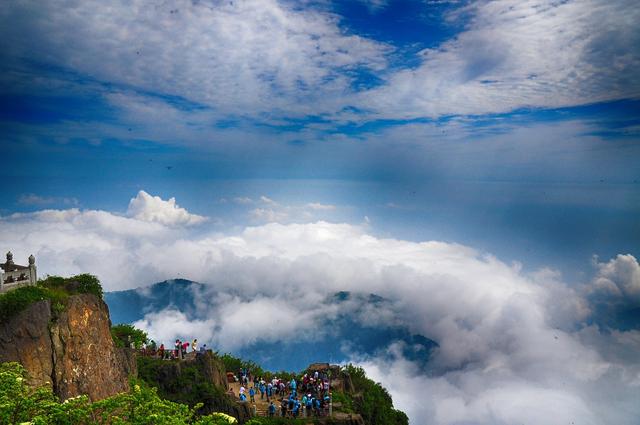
(73, 351)
(199, 379)
(26, 339)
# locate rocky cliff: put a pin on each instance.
(199, 379)
(70, 349)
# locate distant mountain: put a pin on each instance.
(132, 305)
(332, 340)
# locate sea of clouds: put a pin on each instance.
(514, 347)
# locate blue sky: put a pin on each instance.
(512, 127)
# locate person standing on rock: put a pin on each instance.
(194, 345)
(252, 393)
(178, 346)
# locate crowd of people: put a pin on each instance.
(305, 397)
(179, 350)
(308, 396)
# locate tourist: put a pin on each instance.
(262, 390)
(309, 404)
(252, 393)
(269, 391)
(177, 350)
(185, 346)
(296, 409)
(194, 345)
(272, 410)
(161, 351)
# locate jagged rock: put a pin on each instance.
(347, 419)
(73, 352)
(26, 339)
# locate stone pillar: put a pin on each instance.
(33, 277)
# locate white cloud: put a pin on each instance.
(245, 56)
(243, 200)
(513, 347)
(154, 209)
(619, 278)
(275, 212)
(268, 215)
(321, 207)
(37, 200)
(267, 59)
(520, 54)
(169, 325)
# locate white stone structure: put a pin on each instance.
(14, 276)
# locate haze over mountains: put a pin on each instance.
(336, 337)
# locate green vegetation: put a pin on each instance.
(372, 400)
(125, 334)
(13, 302)
(288, 421)
(54, 288)
(185, 384)
(343, 400)
(234, 364)
(20, 403)
(79, 284)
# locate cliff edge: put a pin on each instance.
(69, 349)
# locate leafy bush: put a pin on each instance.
(124, 334)
(375, 404)
(344, 399)
(189, 386)
(80, 284)
(16, 300)
(233, 364)
(54, 288)
(20, 403)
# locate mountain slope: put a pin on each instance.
(338, 336)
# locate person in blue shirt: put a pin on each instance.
(272, 410)
(252, 393)
(262, 390)
(296, 409)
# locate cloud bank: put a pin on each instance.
(513, 347)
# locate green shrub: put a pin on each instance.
(80, 284)
(189, 386)
(20, 403)
(16, 300)
(54, 288)
(344, 399)
(124, 334)
(375, 405)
